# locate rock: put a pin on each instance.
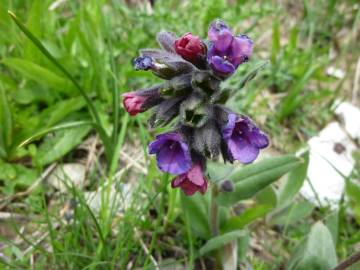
(330, 160)
(67, 175)
(350, 116)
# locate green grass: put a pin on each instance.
(95, 41)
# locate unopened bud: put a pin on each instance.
(227, 186)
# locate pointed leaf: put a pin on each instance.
(255, 177)
(317, 252)
(196, 207)
(293, 183)
(220, 241)
(40, 74)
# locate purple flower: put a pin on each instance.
(226, 51)
(143, 63)
(172, 153)
(243, 138)
(191, 181)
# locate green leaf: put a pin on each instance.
(196, 207)
(332, 222)
(6, 124)
(55, 113)
(217, 171)
(293, 183)
(275, 45)
(353, 193)
(45, 131)
(35, 25)
(317, 252)
(102, 134)
(16, 176)
(62, 143)
(40, 74)
(255, 177)
(292, 101)
(292, 213)
(267, 196)
(220, 241)
(248, 216)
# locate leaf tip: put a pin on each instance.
(11, 14)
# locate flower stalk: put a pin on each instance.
(214, 212)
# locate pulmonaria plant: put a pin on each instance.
(193, 70)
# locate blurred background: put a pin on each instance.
(313, 52)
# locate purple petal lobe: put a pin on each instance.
(224, 40)
(172, 153)
(222, 66)
(216, 28)
(242, 150)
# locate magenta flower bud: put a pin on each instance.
(191, 181)
(189, 47)
(243, 138)
(133, 103)
(172, 153)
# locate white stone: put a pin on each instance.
(67, 175)
(327, 167)
(350, 115)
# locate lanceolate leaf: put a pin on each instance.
(293, 183)
(40, 74)
(253, 178)
(317, 251)
(196, 207)
(63, 141)
(248, 216)
(220, 241)
(5, 124)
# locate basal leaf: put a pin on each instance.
(317, 252)
(59, 145)
(40, 74)
(220, 241)
(248, 216)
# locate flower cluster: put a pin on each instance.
(193, 70)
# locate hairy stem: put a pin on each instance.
(214, 212)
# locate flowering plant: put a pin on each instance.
(193, 70)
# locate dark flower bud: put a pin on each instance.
(207, 140)
(143, 63)
(190, 47)
(205, 81)
(167, 65)
(193, 111)
(166, 111)
(226, 186)
(166, 40)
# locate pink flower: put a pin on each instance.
(191, 181)
(133, 103)
(189, 47)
